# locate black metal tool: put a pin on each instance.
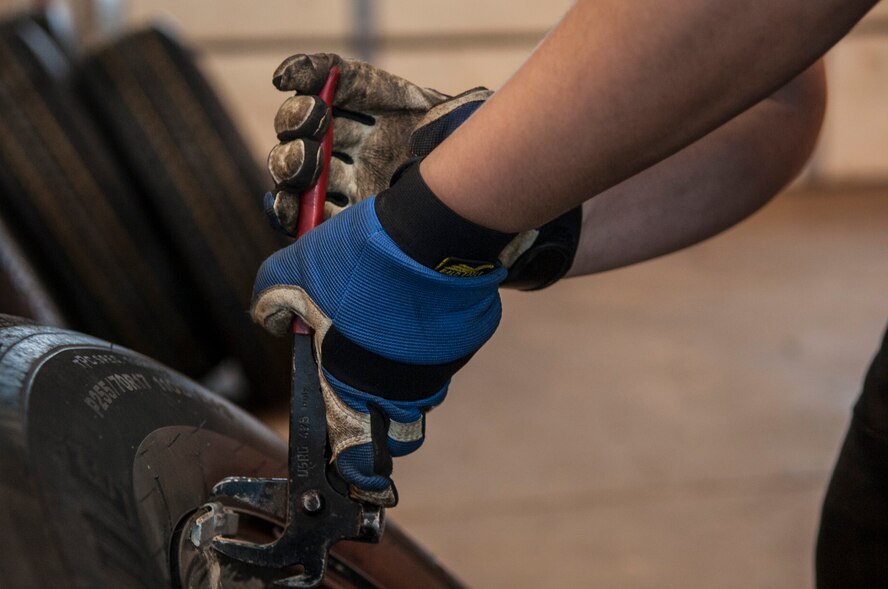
(313, 500)
(317, 514)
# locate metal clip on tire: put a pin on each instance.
(317, 513)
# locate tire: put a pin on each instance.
(103, 452)
(21, 290)
(81, 221)
(173, 134)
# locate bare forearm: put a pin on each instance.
(617, 87)
(708, 186)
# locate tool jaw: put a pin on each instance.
(313, 501)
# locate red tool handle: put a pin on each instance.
(311, 203)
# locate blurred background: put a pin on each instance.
(672, 424)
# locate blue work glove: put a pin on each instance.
(401, 292)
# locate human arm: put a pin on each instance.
(649, 79)
(707, 187)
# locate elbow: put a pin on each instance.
(802, 105)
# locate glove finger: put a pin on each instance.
(404, 438)
(369, 466)
(356, 465)
(295, 165)
(283, 211)
(286, 211)
(276, 306)
(301, 116)
(277, 296)
(282, 207)
(269, 201)
(331, 210)
(304, 73)
(365, 485)
(362, 87)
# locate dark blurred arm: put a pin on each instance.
(708, 186)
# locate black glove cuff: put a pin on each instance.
(550, 256)
(428, 231)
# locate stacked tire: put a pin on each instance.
(135, 205)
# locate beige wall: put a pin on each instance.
(854, 143)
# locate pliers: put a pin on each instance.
(313, 501)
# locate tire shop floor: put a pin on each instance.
(668, 425)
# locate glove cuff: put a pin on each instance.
(441, 121)
(550, 256)
(431, 233)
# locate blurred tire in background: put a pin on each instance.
(170, 130)
(129, 194)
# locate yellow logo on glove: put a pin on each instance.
(464, 268)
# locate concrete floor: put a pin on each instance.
(667, 425)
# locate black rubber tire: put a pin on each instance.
(176, 138)
(21, 290)
(80, 220)
(103, 451)
(94, 477)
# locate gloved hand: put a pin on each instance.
(381, 121)
(401, 292)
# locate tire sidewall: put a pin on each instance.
(118, 448)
